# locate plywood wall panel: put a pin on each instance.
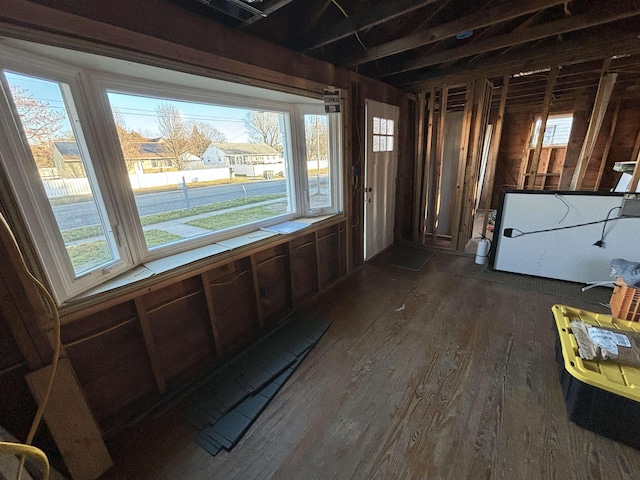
(272, 271)
(182, 332)
(304, 267)
(231, 287)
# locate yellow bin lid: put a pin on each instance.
(608, 375)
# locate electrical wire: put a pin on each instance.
(347, 16)
(600, 243)
(13, 447)
(509, 232)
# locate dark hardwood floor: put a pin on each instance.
(461, 383)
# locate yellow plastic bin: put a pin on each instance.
(602, 396)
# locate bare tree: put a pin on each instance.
(264, 127)
(203, 135)
(129, 141)
(316, 137)
(41, 123)
(174, 135)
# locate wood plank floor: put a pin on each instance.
(461, 383)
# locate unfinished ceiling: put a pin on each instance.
(414, 43)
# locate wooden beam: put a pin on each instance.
(636, 146)
(418, 166)
(383, 12)
(71, 422)
(484, 18)
(493, 151)
(590, 19)
(553, 74)
(481, 106)
(426, 204)
(316, 16)
(272, 7)
(607, 147)
(607, 82)
(21, 303)
(572, 51)
(462, 165)
(444, 93)
(635, 178)
(152, 351)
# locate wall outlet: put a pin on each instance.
(630, 205)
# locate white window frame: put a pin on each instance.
(335, 141)
(89, 88)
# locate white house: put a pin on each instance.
(250, 159)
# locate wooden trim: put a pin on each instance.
(444, 93)
(493, 152)
(544, 115)
(149, 342)
(605, 87)
(462, 164)
(607, 147)
(426, 204)
(418, 165)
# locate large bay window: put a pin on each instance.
(112, 164)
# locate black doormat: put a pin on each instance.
(405, 256)
(560, 288)
(225, 406)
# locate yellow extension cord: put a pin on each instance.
(26, 449)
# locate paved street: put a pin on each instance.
(85, 213)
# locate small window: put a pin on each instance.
(383, 132)
(557, 132)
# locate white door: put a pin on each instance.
(381, 162)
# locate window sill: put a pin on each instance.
(161, 266)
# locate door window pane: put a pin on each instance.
(199, 168)
(46, 112)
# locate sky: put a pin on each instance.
(138, 112)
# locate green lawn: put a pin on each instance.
(81, 233)
(239, 217)
(91, 254)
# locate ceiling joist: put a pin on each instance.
(373, 16)
(589, 19)
(483, 18)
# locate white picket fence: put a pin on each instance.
(64, 187)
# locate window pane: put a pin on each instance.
(318, 173)
(198, 168)
(376, 125)
(55, 139)
(383, 126)
(389, 144)
(556, 133)
(376, 143)
(389, 127)
(383, 143)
